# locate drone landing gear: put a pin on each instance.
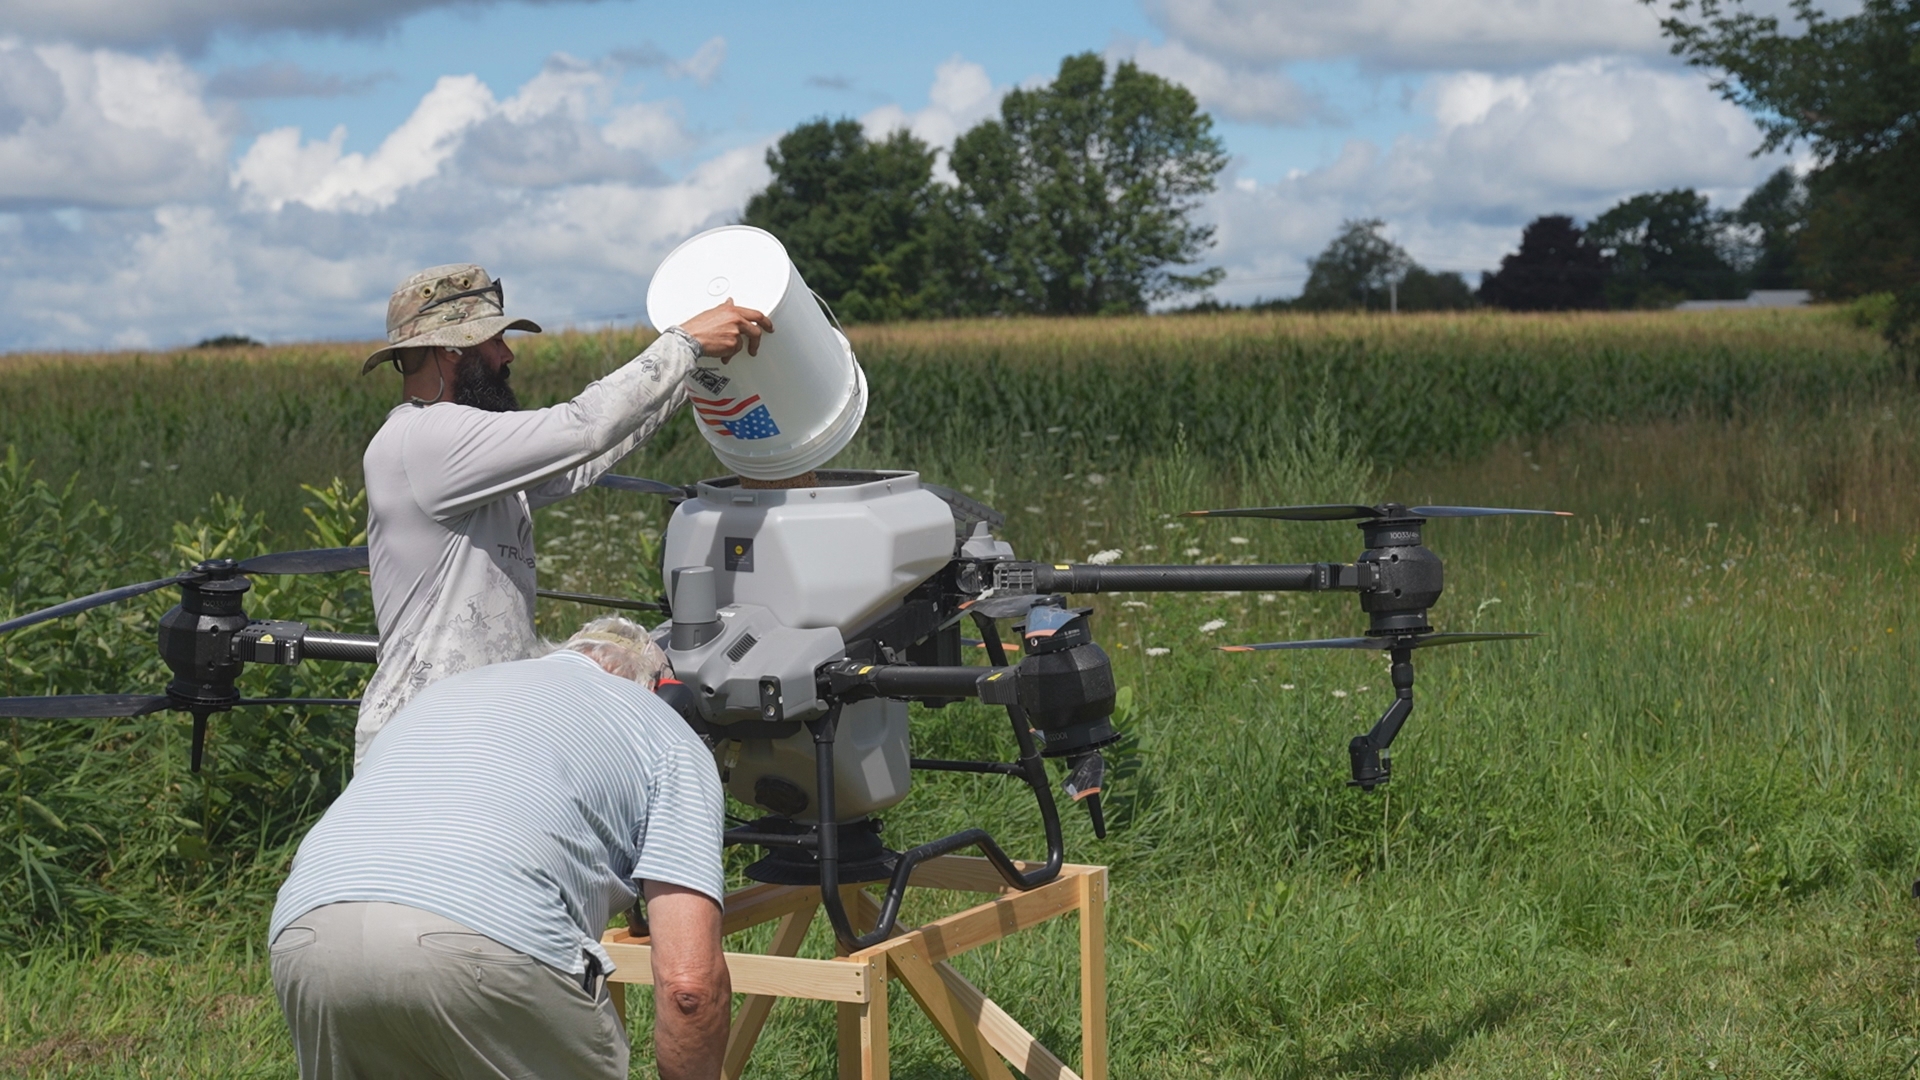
(807, 854)
(1372, 764)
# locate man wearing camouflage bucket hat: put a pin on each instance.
(454, 474)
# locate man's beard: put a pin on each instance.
(475, 383)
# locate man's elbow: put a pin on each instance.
(696, 996)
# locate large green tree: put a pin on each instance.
(858, 217)
(1080, 198)
(1849, 88)
(1664, 247)
(1775, 216)
(1357, 269)
(1556, 269)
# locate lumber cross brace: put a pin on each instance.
(980, 1032)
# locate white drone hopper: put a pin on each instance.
(831, 557)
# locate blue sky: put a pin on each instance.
(172, 169)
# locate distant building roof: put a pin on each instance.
(1766, 298)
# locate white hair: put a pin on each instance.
(622, 647)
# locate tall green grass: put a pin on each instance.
(1672, 837)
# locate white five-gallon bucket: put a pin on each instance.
(798, 403)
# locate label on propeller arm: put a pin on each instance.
(269, 641)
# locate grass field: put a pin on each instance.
(1673, 837)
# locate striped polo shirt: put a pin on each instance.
(525, 801)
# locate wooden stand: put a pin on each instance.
(978, 1030)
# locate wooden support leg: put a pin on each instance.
(854, 1020)
(948, 1013)
(1093, 975)
(618, 993)
(752, 1016)
(1003, 1032)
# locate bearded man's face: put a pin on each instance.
(480, 378)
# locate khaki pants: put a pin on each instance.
(383, 990)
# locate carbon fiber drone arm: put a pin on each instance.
(1033, 577)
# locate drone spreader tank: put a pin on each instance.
(788, 573)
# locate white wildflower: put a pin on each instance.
(1191, 551)
(1113, 438)
(1133, 603)
(1339, 693)
(1096, 479)
(1069, 476)
(1211, 625)
(1267, 598)
(1055, 430)
(1156, 651)
(1149, 547)
(1033, 509)
(1286, 686)
(1238, 540)
(1174, 526)
(1713, 524)
(1646, 521)
(1102, 558)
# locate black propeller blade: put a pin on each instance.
(643, 485)
(108, 706)
(311, 561)
(82, 706)
(1479, 511)
(1409, 641)
(1354, 511)
(75, 607)
(601, 601)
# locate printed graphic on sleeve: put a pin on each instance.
(742, 418)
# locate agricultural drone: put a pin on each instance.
(801, 622)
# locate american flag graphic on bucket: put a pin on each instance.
(742, 418)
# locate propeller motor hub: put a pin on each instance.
(196, 638)
(1409, 576)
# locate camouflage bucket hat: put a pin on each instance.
(455, 306)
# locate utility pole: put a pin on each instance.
(1393, 297)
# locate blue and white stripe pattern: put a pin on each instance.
(523, 800)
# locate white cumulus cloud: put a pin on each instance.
(99, 128)
(191, 23)
(962, 95)
(1412, 34)
(1237, 92)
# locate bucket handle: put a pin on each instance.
(830, 314)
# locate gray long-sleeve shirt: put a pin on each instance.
(450, 495)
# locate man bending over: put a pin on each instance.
(443, 919)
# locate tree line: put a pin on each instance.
(1080, 197)
(1648, 251)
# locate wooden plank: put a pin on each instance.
(874, 1047)
(758, 904)
(753, 973)
(1093, 974)
(751, 1017)
(954, 1023)
(851, 1036)
(989, 922)
(617, 992)
(1003, 1032)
